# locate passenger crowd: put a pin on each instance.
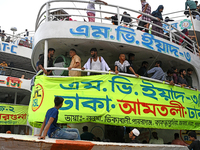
(97, 63)
(190, 5)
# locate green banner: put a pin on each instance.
(13, 114)
(116, 100)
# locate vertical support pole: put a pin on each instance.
(100, 12)
(194, 48)
(118, 15)
(45, 54)
(15, 100)
(47, 11)
(170, 33)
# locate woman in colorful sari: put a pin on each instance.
(158, 15)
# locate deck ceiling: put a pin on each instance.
(110, 51)
(19, 62)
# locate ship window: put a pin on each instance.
(23, 98)
(7, 97)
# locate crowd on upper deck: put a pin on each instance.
(98, 63)
(22, 42)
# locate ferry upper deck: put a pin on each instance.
(111, 40)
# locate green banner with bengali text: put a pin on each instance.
(13, 114)
(116, 100)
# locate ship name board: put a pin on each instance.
(8, 47)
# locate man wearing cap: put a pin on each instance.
(95, 63)
(132, 135)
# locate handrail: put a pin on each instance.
(190, 42)
(17, 69)
(107, 72)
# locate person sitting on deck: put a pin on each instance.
(158, 31)
(157, 71)
(133, 134)
(87, 135)
(143, 69)
(181, 78)
(51, 52)
(95, 63)
(192, 6)
(169, 77)
(50, 124)
(114, 19)
(189, 78)
(146, 8)
(122, 65)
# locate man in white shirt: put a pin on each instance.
(95, 63)
(91, 13)
(156, 139)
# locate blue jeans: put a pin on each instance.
(68, 133)
(2, 72)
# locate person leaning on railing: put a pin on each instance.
(51, 52)
(3, 69)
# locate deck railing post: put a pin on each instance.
(170, 33)
(47, 11)
(100, 12)
(45, 54)
(118, 15)
(194, 47)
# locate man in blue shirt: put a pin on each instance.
(50, 124)
(192, 6)
(157, 71)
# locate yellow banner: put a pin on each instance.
(13, 114)
(116, 100)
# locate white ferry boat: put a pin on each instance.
(15, 83)
(109, 103)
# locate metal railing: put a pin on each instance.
(20, 39)
(16, 72)
(174, 36)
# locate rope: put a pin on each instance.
(194, 32)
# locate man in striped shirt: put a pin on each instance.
(157, 71)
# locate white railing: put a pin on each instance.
(16, 72)
(46, 15)
(20, 39)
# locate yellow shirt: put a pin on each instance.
(3, 65)
(75, 59)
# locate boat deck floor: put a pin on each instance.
(28, 142)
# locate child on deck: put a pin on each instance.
(50, 124)
(122, 65)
